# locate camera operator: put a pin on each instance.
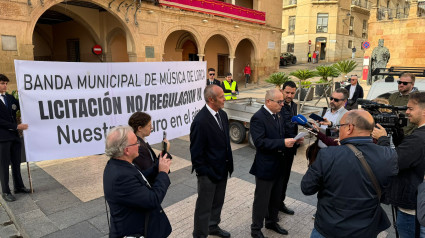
(406, 85)
(411, 153)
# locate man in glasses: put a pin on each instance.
(135, 204)
(406, 85)
(267, 131)
(355, 92)
(211, 77)
(334, 114)
(348, 201)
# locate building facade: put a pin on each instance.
(402, 26)
(332, 27)
(227, 34)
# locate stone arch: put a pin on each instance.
(38, 10)
(254, 45)
(117, 31)
(245, 53)
(188, 29)
(226, 37)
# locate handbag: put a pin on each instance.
(367, 168)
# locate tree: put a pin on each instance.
(278, 79)
(304, 74)
(345, 66)
(326, 71)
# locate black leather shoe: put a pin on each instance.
(257, 234)
(219, 232)
(22, 190)
(286, 210)
(8, 197)
(275, 227)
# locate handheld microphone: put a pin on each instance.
(301, 120)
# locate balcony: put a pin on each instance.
(360, 6)
(391, 14)
(218, 8)
(421, 9)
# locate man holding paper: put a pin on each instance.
(289, 109)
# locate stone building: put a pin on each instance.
(402, 26)
(333, 27)
(227, 34)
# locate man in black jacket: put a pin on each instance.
(288, 110)
(411, 162)
(212, 160)
(355, 91)
(135, 204)
(211, 77)
(268, 134)
(10, 144)
(348, 204)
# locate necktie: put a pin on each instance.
(220, 124)
(4, 99)
(277, 121)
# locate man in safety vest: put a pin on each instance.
(230, 87)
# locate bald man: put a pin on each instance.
(348, 204)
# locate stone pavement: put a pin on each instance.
(68, 199)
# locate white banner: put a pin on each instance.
(70, 107)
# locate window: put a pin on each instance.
(351, 27)
(290, 47)
(364, 31)
(291, 27)
(350, 44)
(73, 50)
(322, 22)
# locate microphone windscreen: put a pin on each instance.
(300, 119)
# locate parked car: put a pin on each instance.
(286, 58)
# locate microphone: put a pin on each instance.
(301, 120)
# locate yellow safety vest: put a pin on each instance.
(227, 86)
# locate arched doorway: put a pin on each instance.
(68, 31)
(217, 55)
(244, 54)
(180, 46)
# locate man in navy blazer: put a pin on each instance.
(267, 131)
(135, 204)
(355, 92)
(212, 160)
(10, 143)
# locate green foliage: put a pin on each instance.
(278, 78)
(326, 71)
(305, 84)
(15, 94)
(304, 74)
(345, 66)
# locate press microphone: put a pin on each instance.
(301, 120)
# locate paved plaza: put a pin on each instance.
(68, 199)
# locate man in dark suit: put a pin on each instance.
(10, 143)
(212, 160)
(355, 92)
(267, 132)
(135, 204)
(288, 110)
(211, 79)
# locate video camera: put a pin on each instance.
(390, 118)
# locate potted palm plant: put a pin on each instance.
(303, 75)
(278, 79)
(344, 67)
(325, 71)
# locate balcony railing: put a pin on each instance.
(390, 14)
(218, 8)
(361, 3)
(421, 9)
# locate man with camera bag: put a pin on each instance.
(411, 153)
(349, 180)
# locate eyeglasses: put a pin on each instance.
(212, 74)
(336, 99)
(137, 143)
(278, 101)
(401, 82)
(344, 124)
